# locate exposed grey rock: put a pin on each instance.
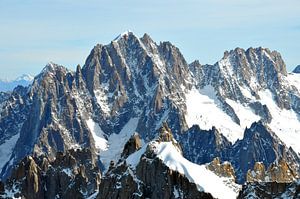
(70, 175)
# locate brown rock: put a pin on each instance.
(224, 170)
(132, 145)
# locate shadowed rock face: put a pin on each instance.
(257, 190)
(259, 144)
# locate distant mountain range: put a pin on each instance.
(9, 85)
(138, 121)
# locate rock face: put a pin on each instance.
(73, 174)
(152, 180)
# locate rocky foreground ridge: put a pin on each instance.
(73, 132)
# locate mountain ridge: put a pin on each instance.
(136, 85)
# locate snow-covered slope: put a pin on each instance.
(206, 180)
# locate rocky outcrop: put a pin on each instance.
(260, 144)
(224, 169)
(71, 174)
(132, 145)
(152, 179)
(3, 97)
(277, 172)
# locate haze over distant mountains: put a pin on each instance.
(9, 85)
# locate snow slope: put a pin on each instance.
(116, 142)
(6, 149)
(203, 109)
(98, 135)
(285, 123)
(205, 179)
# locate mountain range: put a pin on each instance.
(137, 121)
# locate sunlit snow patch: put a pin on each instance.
(116, 143)
(203, 109)
(245, 114)
(101, 98)
(98, 135)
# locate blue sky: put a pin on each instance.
(34, 32)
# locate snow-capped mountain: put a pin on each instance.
(237, 118)
(9, 85)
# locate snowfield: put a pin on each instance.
(98, 135)
(6, 149)
(203, 109)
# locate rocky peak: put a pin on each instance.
(224, 169)
(132, 145)
(52, 69)
(165, 135)
(260, 144)
(258, 63)
(125, 35)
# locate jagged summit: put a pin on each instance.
(51, 68)
(124, 35)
